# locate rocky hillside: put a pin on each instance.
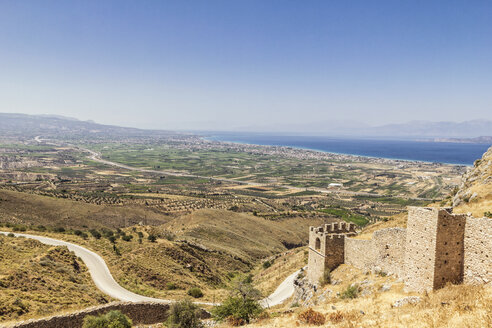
(475, 192)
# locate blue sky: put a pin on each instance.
(229, 64)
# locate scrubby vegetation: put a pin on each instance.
(311, 317)
(112, 319)
(37, 280)
(184, 314)
(241, 306)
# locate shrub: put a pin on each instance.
(19, 228)
(77, 232)
(127, 237)
(59, 229)
(336, 317)
(152, 238)
(184, 314)
(41, 228)
(312, 317)
(11, 235)
(195, 292)
(112, 319)
(351, 292)
(171, 286)
(267, 264)
(487, 214)
(95, 233)
(237, 311)
(242, 304)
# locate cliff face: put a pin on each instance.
(475, 192)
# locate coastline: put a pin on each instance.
(213, 138)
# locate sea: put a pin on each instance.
(412, 150)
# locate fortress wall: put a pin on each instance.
(141, 313)
(334, 250)
(360, 253)
(390, 247)
(420, 249)
(448, 266)
(478, 251)
(316, 266)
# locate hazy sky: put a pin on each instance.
(226, 64)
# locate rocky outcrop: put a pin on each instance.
(476, 184)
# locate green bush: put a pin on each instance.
(127, 237)
(242, 304)
(195, 292)
(112, 319)
(184, 314)
(351, 292)
(267, 264)
(152, 238)
(171, 286)
(237, 308)
(95, 233)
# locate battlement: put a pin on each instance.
(335, 228)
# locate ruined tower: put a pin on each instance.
(434, 248)
(326, 248)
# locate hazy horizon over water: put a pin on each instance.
(426, 151)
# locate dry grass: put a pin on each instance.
(244, 235)
(267, 280)
(450, 307)
(37, 280)
(18, 207)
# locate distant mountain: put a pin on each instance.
(33, 125)
(54, 125)
(421, 129)
(413, 129)
(482, 139)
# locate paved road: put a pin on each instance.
(105, 282)
(283, 292)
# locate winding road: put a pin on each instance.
(105, 282)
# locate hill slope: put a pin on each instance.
(475, 192)
(241, 234)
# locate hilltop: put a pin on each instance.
(29, 126)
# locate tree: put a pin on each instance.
(112, 319)
(184, 314)
(242, 303)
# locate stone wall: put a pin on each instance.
(360, 253)
(437, 248)
(384, 252)
(478, 251)
(326, 248)
(421, 249)
(390, 245)
(448, 265)
(316, 266)
(140, 313)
